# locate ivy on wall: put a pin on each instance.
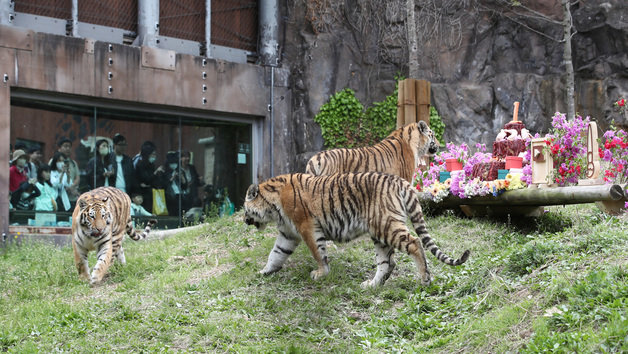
(437, 125)
(345, 123)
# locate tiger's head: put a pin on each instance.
(262, 202)
(95, 216)
(420, 137)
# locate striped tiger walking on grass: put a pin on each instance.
(100, 220)
(341, 208)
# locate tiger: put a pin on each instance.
(340, 208)
(398, 154)
(100, 220)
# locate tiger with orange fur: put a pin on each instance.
(100, 220)
(398, 154)
(340, 208)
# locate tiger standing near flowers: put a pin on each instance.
(341, 208)
(398, 154)
(100, 220)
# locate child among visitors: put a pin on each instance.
(136, 206)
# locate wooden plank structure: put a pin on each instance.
(413, 102)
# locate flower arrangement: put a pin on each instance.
(615, 153)
(567, 144)
(460, 184)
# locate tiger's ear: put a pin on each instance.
(82, 204)
(252, 192)
(423, 126)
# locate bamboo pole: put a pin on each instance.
(538, 196)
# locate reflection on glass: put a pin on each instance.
(176, 168)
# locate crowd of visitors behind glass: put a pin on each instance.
(35, 185)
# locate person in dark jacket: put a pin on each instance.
(123, 166)
(174, 183)
(99, 171)
(148, 175)
(190, 194)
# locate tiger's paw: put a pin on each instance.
(319, 273)
(269, 270)
(95, 282)
(368, 284)
(427, 280)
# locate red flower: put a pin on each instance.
(619, 167)
(601, 153)
(578, 169)
(555, 148)
(621, 102)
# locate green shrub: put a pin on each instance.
(339, 118)
(437, 125)
(345, 123)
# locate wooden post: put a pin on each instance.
(409, 102)
(423, 101)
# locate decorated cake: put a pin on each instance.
(511, 140)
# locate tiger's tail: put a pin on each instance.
(138, 236)
(416, 216)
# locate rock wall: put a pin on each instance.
(480, 56)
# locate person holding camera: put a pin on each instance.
(61, 180)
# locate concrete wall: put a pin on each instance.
(86, 68)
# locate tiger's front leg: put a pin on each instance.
(284, 247)
(317, 243)
(80, 260)
(105, 258)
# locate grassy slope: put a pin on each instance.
(558, 283)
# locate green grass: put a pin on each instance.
(555, 284)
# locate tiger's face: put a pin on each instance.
(422, 138)
(95, 217)
(260, 203)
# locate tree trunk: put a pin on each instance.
(571, 110)
(413, 58)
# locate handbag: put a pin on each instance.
(159, 202)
